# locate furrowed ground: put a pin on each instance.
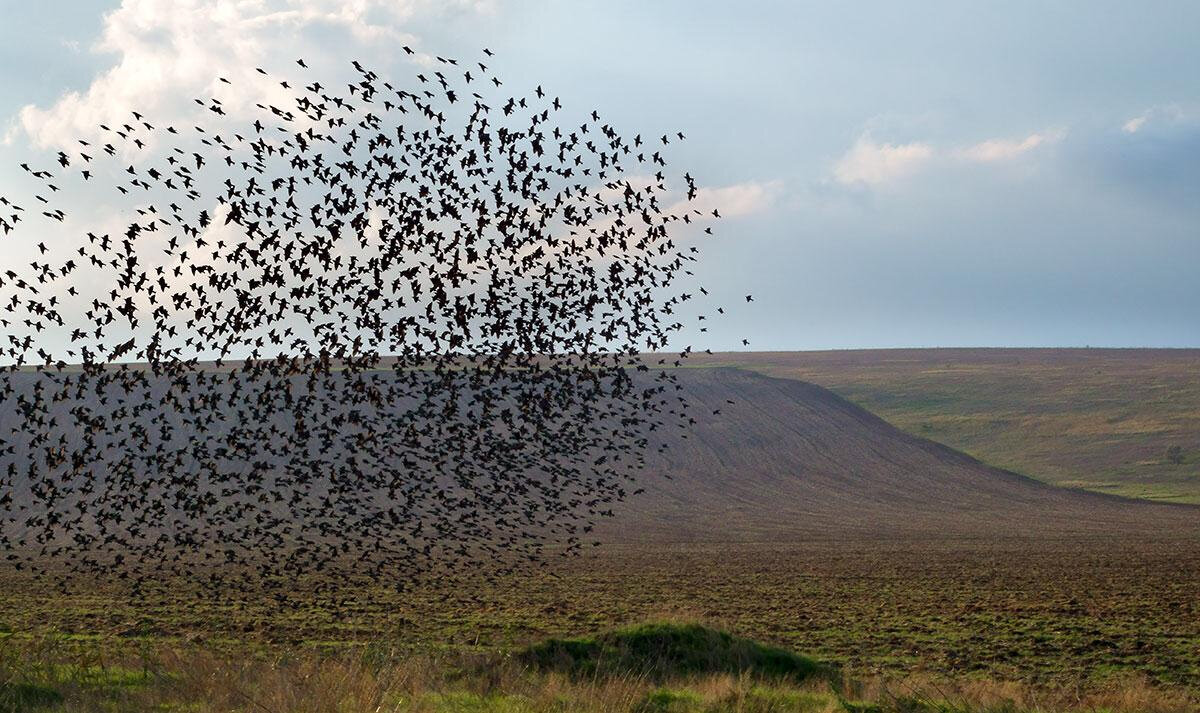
(1119, 421)
(1069, 612)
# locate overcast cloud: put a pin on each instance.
(892, 174)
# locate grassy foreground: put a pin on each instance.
(659, 667)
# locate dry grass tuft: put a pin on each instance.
(47, 677)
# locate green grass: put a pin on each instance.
(665, 700)
(663, 650)
(698, 670)
(16, 697)
(46, 684)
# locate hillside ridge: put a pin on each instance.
(793, 459)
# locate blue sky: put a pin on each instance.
(896, 174)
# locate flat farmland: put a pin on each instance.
(1118, 421)
(1062, 613)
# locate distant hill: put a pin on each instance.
(1119, 421)
(792, 460)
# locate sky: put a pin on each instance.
(917, 174)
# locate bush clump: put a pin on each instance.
(18, 697)
(663, 651)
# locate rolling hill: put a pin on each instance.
(1117, 421)
(789, 460)
(792, 460)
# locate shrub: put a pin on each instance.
(26, 697)
(661, 651)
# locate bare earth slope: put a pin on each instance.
(791, 460)
(1101, 419)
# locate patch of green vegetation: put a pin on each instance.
(758, 699)
(34, 685)
(666, 700)
(664, 650)
(764, 699)
(101, 676)
(860, 707)
(18, 697)
(777, 700)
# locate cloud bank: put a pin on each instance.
(170, 51)
(871, 163)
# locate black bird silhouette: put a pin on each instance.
(371, 336)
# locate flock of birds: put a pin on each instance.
(372, 335)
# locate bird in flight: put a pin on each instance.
(368, 335)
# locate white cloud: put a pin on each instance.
(1162, 115)
(1007, 149)
(170, 51)
(871, 163)
(738, 199)
(734, 200)
(1133, 125)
